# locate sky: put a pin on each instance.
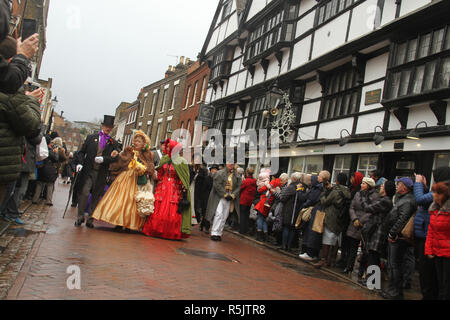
(102, 52)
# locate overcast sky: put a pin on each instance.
(102, 52)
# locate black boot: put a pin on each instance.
(266, 237)
(259, 236)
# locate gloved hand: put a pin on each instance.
(79, 168)
(99, 160)
(357, 224)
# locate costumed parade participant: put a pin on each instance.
(172, 217)
(129, 200)
(93, 160)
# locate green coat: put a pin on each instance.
(332, 205)
(20, 117)
(182, 169)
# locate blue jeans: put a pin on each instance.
(262, 223)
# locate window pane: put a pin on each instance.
(395, 83)
(331, 108)
(346, 104)
(328, 10)
(442, 160)
(404, 83)
(424, 45)
(447, 39)
(354, 103)
(429, 75)
(338, 107)
(342, 81)
(418, 79)
(321, 15)
(401, 51)
(444, 74)
(314, 165)
(325, 109)
(334, 5)
(289, 32)
(438, 38)
(412, 48)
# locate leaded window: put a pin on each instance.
(256, 120)
(329, 9)
(342, 90)
(420, 65)
(221, 64)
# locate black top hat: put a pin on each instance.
(108, 121)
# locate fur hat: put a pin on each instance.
(370, 182)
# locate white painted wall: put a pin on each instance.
(305, 24)
(313, 90)
(285, 63)
(394, 124)
(330, 36)
(305, 5)
(232, 85)
(421, 113)
(237, 64)
(375, 86)
(388, 12)
(300, 55)
(241, 81)
(232, 24)
(310, 112)
(363, 19)
(409, 6)
(376, 68)
(368, 122)
(259, 74)
(306, 133)
(332, 129)
(213, 42)
(273, 69)
(257, 5)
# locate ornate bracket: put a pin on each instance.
(279, 56)
(402, 115)
(439, 109)
(320, 77)
(251, 69)
(358, 63)
(265, 65)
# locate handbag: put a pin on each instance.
(253, 213)
(408, 230)
(318, 221)
(304, 215)
(145, 200)
(42, 151)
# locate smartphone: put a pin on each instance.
(28, 28)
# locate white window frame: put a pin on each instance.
(174, 98)
(203, 93)
(194, 95)
(187, 98)
(337, 170)
(154, 101)
(163, 105)
(143, 107)
(304, 165)
(366, 171)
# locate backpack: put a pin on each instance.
(345, 208)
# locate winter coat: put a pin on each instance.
(312, 239)
(287, 198)
(201, 191)
(422, 218)
(260, 207)
(333, 204)
(357, 212)
(48, 172)
(375, 231)
(29, 165)
(404, 208)
(218, 193)
(19, 117)
(438, 238)
(248, 191)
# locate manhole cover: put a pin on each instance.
(309, 271)
(205, 254)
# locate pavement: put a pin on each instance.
(37, 262)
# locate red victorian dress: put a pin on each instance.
(165, 222)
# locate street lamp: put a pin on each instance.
(378, 138)
(345, 140)
(273, 100)
(414, 134)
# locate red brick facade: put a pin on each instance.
(196, 83)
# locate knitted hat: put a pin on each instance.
(370, 182)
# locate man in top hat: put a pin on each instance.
(92, 164)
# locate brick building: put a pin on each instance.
(160, 103)
(131, 116)
(119, 121)
(194, 95)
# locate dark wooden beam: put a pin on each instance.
(439, 109)
(402, 115)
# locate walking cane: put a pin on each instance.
(70, 193)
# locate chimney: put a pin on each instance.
(187, 61)
(182, 60)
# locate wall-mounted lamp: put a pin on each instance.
(345, 140)
(378, 138)
(414, 134)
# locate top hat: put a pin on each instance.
(108, 121)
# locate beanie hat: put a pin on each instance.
(370, 182)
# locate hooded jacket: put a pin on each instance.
(438, 238)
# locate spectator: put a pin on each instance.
(377, 177)
(291, 200)
(355, 186)
(200, 187)
(208, 185)
(358, 217)
(404, 208)
(437, 246)
(374, 230)
(248, 191)
(67, 170)
(48, 172)
(264, 204)
(427, 271)
(333, 203)
(276, 212)
(310, 249)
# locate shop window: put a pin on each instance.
(309, 164)
(341, 165)
(367, 163)
(441, 160)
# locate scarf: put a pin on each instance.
(103, 139)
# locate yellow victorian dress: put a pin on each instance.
(118, 206)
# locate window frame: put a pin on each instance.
(163, 104)
(174, 96)
(366, 171)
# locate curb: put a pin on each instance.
(291, 255)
